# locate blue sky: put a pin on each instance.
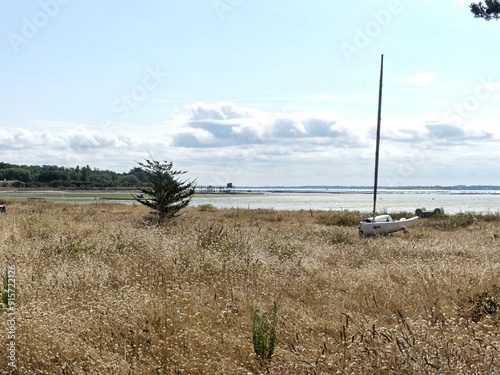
(253, 92)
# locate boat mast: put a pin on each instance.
(375, 183)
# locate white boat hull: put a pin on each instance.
(384, 224)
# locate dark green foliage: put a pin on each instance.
(51, 175)
(337, 237)
(460, 220)
(264, 333)
(342, 218)
(15, 173)
(166, 193)
(489, 10)
(139, 173)
(80, 177)
(484, 305)
(5, 292)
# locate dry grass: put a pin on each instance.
(101, 292)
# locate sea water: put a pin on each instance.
(452, 201)
(321, 199)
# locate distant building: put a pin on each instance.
(13, 183)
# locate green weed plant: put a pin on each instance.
(264, 333)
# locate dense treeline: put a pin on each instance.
(78, 177)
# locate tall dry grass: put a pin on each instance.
(102, 292)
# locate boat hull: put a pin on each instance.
(384, 224)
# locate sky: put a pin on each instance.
(253, 92)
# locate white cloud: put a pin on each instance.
(63, 146)
(226, 124)
(224, 142)
(221, 111)
(6, 137)
(421, 79)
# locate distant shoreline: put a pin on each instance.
(335, 189)
(361, 187)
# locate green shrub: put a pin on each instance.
(456, 221)
(207, 207)
(4, 299)
(338, 237)
(73, 245)
(264, 333)
(341, 218)
(489, 217)
(283, 250)
(485, 304)
(462, 220)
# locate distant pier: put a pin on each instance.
(211, 189)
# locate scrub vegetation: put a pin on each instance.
(99, 290)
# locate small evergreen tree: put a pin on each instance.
(166, 193)
(489, 10)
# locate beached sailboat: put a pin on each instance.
(384, 224)
(381, 224)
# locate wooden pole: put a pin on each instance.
(375, 183)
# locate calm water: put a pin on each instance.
(452, 201)
(387, 201)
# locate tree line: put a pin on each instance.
(78, 177)
(161, 185)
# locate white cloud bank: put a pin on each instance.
(225, 124)
(224, 142)
(69, 146)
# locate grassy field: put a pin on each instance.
(99, 290)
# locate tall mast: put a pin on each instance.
(375, 183)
